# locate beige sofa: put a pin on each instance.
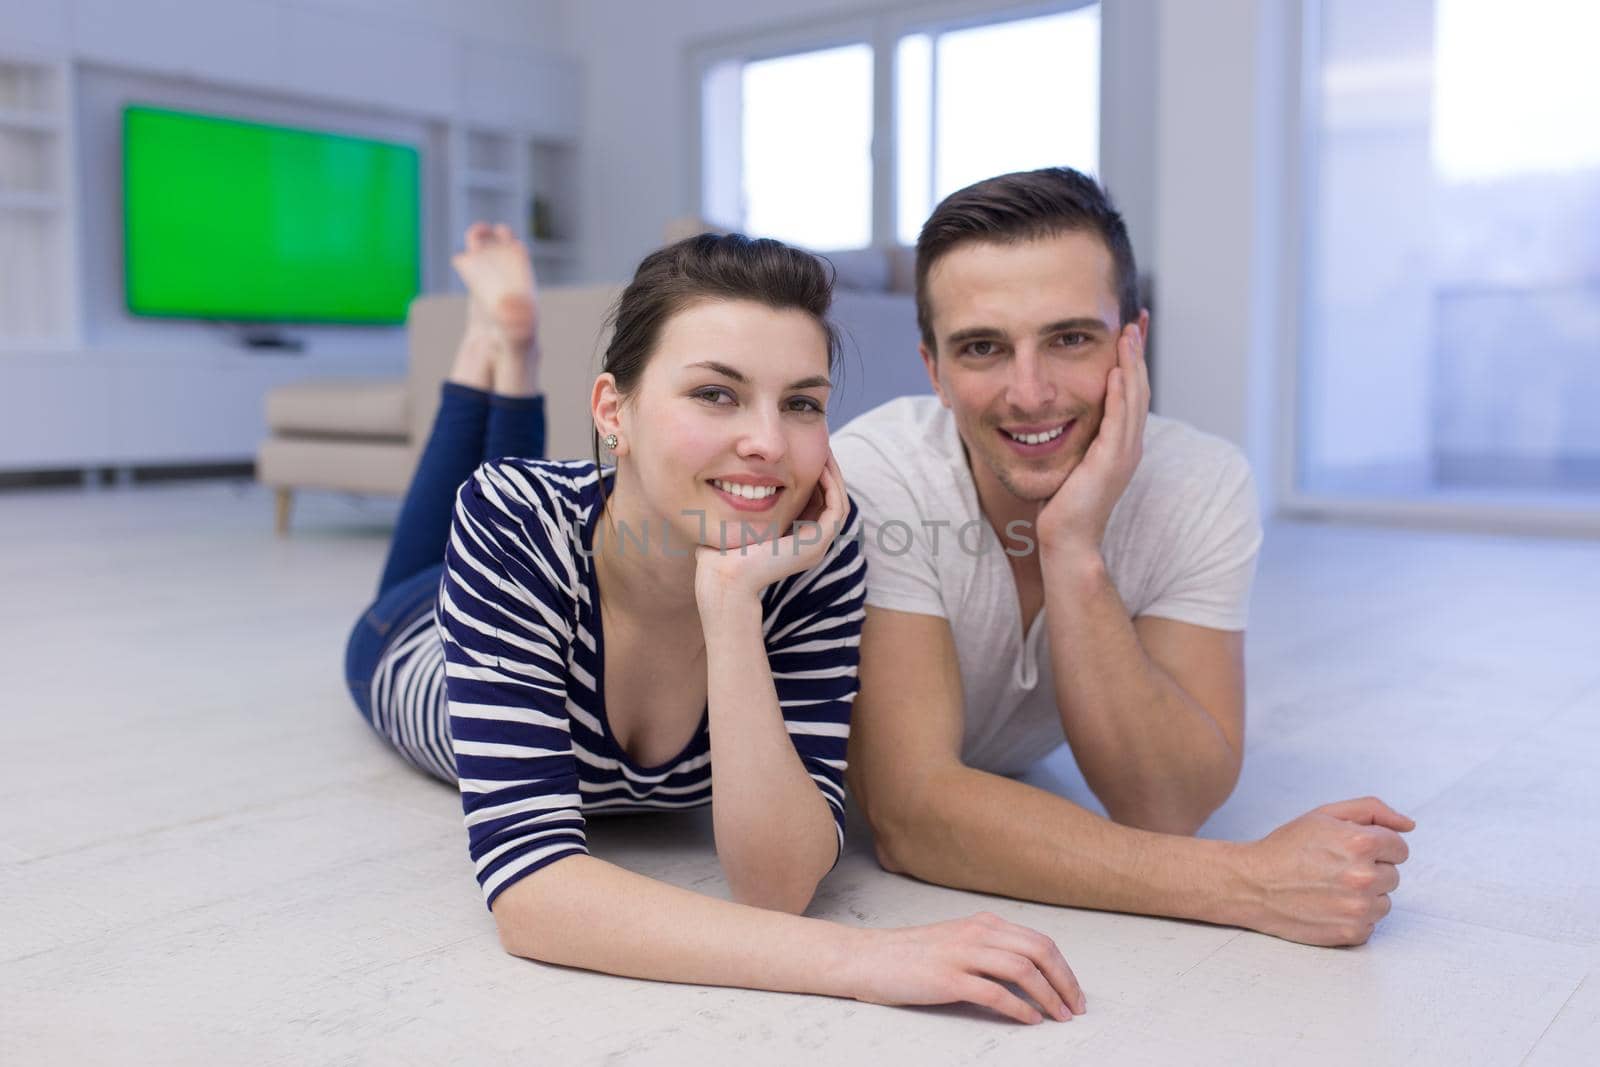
(365, 436)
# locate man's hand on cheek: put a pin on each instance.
(1074, 519)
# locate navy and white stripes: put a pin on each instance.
(508, 703)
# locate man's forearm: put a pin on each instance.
(1152, 754)
(775, 833)
(973, 830)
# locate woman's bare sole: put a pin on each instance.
(497, 351)
(499, 280)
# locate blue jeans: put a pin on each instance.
(471, 428)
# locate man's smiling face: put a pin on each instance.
(1026, 334)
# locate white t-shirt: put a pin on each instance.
(1180, 544)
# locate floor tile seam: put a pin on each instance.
(1551, 1024)
(1141, 1008)
(1550, 716)
(1497, 928)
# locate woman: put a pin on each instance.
(573, 640)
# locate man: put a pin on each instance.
(1048, 562)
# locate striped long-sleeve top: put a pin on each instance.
(524, 665)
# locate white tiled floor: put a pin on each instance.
(206, 857)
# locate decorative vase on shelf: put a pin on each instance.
(539, 219)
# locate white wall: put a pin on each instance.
(1225, 70)
(246, 39)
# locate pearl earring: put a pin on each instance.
(611, 442)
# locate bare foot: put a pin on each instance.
(500, 284)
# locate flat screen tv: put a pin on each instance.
(250, 222)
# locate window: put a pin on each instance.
(788, 147)
(787, 139)
(977, 102)
(1452, 318)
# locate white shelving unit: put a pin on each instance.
(526, 182)
(38, 285)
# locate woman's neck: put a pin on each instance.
(642, 570)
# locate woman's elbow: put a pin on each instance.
(510, 942)
(1181, 820)
(791, 906)
(786, 887)
(516, 936)
(521, 915)
(792, 898)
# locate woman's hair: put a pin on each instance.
(707, 267)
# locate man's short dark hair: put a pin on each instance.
(1026, 206)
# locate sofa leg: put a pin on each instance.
(285, 501)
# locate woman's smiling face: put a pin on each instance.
(727, 432)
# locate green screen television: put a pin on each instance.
(248, 222)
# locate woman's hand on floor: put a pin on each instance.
(969, 960)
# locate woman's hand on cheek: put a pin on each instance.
(743, 571)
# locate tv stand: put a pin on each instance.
(271, 339)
